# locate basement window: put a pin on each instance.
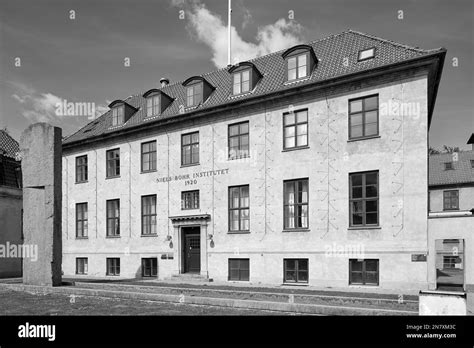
(366, 54)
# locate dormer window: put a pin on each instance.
(118, 115)
(153, 105)
(366, 54)
(198, 90)
(121, 112)
(245, 77)
(156, 102)
(448, 166)
(300, 62)
(194, 94)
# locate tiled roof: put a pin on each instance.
(337, 57)
(462, 173)
(8, 146)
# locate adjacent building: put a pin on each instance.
(10, 207)
(307, 166)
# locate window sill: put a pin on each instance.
(363, 138)
(297, 230)
(188, 209)
(112, 177)
(295, 148)
(295, 284)
(82, 237)
(112, 275)
(365, 228)
(81, 274)
(363, 285)
(238, 232)
(82, 182)
(189, 165)
(148, 171)
(149, 235)
(112, 237)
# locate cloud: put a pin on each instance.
(210, 29)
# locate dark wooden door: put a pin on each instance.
(192, 253)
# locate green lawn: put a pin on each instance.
(24, 303)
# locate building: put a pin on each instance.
(306, 166)
(451, 221)
(10, 206)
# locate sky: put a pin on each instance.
(54, 52)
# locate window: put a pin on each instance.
(449, 262)
(190, 148)
(81, 220)
(241, 82)
(194, 94)
(81, 168)
(190, 200)
(366, 54)
(239, 269)
(153, 105)
(113, 217)
(117, 115)
(150, 267)
(295, 204)
(149, 156)
(149, 214)
(364, 199)
(448, 166)
(295, 270)
(451, 200)
(364, 272)
(239, 140)
(81, 265)
(472, 163)
(364, 117)
(295, 129)
(297, 66)
(239, 208)
(113, 266)
(113, 163)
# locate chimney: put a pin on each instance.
(164, 82)
(471, 141)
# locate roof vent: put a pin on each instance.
(164, 82)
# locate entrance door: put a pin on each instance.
(192, 249)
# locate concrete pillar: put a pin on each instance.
(204, 249)
(41, 149)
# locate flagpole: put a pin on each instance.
(229, 43)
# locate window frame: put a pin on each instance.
(296, 270)
(364, 272)
(298, 55)
(364, 199)
(114, 265)
(363, 113)
(193, 199)
(152, 156)
(239, 209)
(116, 219)
(85, 265)
(238, 136)
(81, 168)
(194, 94)
(448, 165)
(450, 199)
(82, 232)
(190, 145)
(240, 84)
(239, 269)
(155, 108)
(295, 124)
(296, 204)
(116, 162)
(148, 217)
(118, 115)
(152, 267)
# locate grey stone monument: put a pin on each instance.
(41, 152)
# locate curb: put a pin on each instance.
(220, 302)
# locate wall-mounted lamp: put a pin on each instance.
(170, 238)
(210, 236)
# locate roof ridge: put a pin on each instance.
(394, 43)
